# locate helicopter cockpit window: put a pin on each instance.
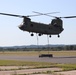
(21, 24)
(26, 21)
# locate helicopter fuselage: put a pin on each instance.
(34, 27)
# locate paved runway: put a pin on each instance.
(55, 59)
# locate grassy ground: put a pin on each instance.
(38, 64)
(36, 53)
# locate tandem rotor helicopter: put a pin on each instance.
(53, 28)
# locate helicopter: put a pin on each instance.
(53, 28)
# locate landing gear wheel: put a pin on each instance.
(32, 34)
(50, 36)
(39, 34)
(58, 36)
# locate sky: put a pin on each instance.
(11, 35)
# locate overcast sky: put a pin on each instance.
(11, 35)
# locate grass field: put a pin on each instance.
(38, 64)
(36, 53)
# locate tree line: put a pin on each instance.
(57, 48)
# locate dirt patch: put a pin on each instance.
(13, 70)
(12, 67)
(28, 71)
(68, 72)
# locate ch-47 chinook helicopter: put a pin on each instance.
(53, 28)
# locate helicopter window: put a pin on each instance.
(31, 25)
(49, 28)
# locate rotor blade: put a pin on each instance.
(33, 15)
(49, 15)
(69, 17)
(46, 13)
(19, 15)
(12, 15)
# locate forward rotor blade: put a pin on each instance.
(19, 15)
(33, 15)
(12, 15)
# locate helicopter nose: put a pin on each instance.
(21, 27)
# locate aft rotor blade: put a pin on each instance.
(12, 15)
(46, 13)
(69, 17)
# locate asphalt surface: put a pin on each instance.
(60, 59)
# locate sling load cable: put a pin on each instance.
(37, 42)
(48, 43)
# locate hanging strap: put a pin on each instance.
(48, 43)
